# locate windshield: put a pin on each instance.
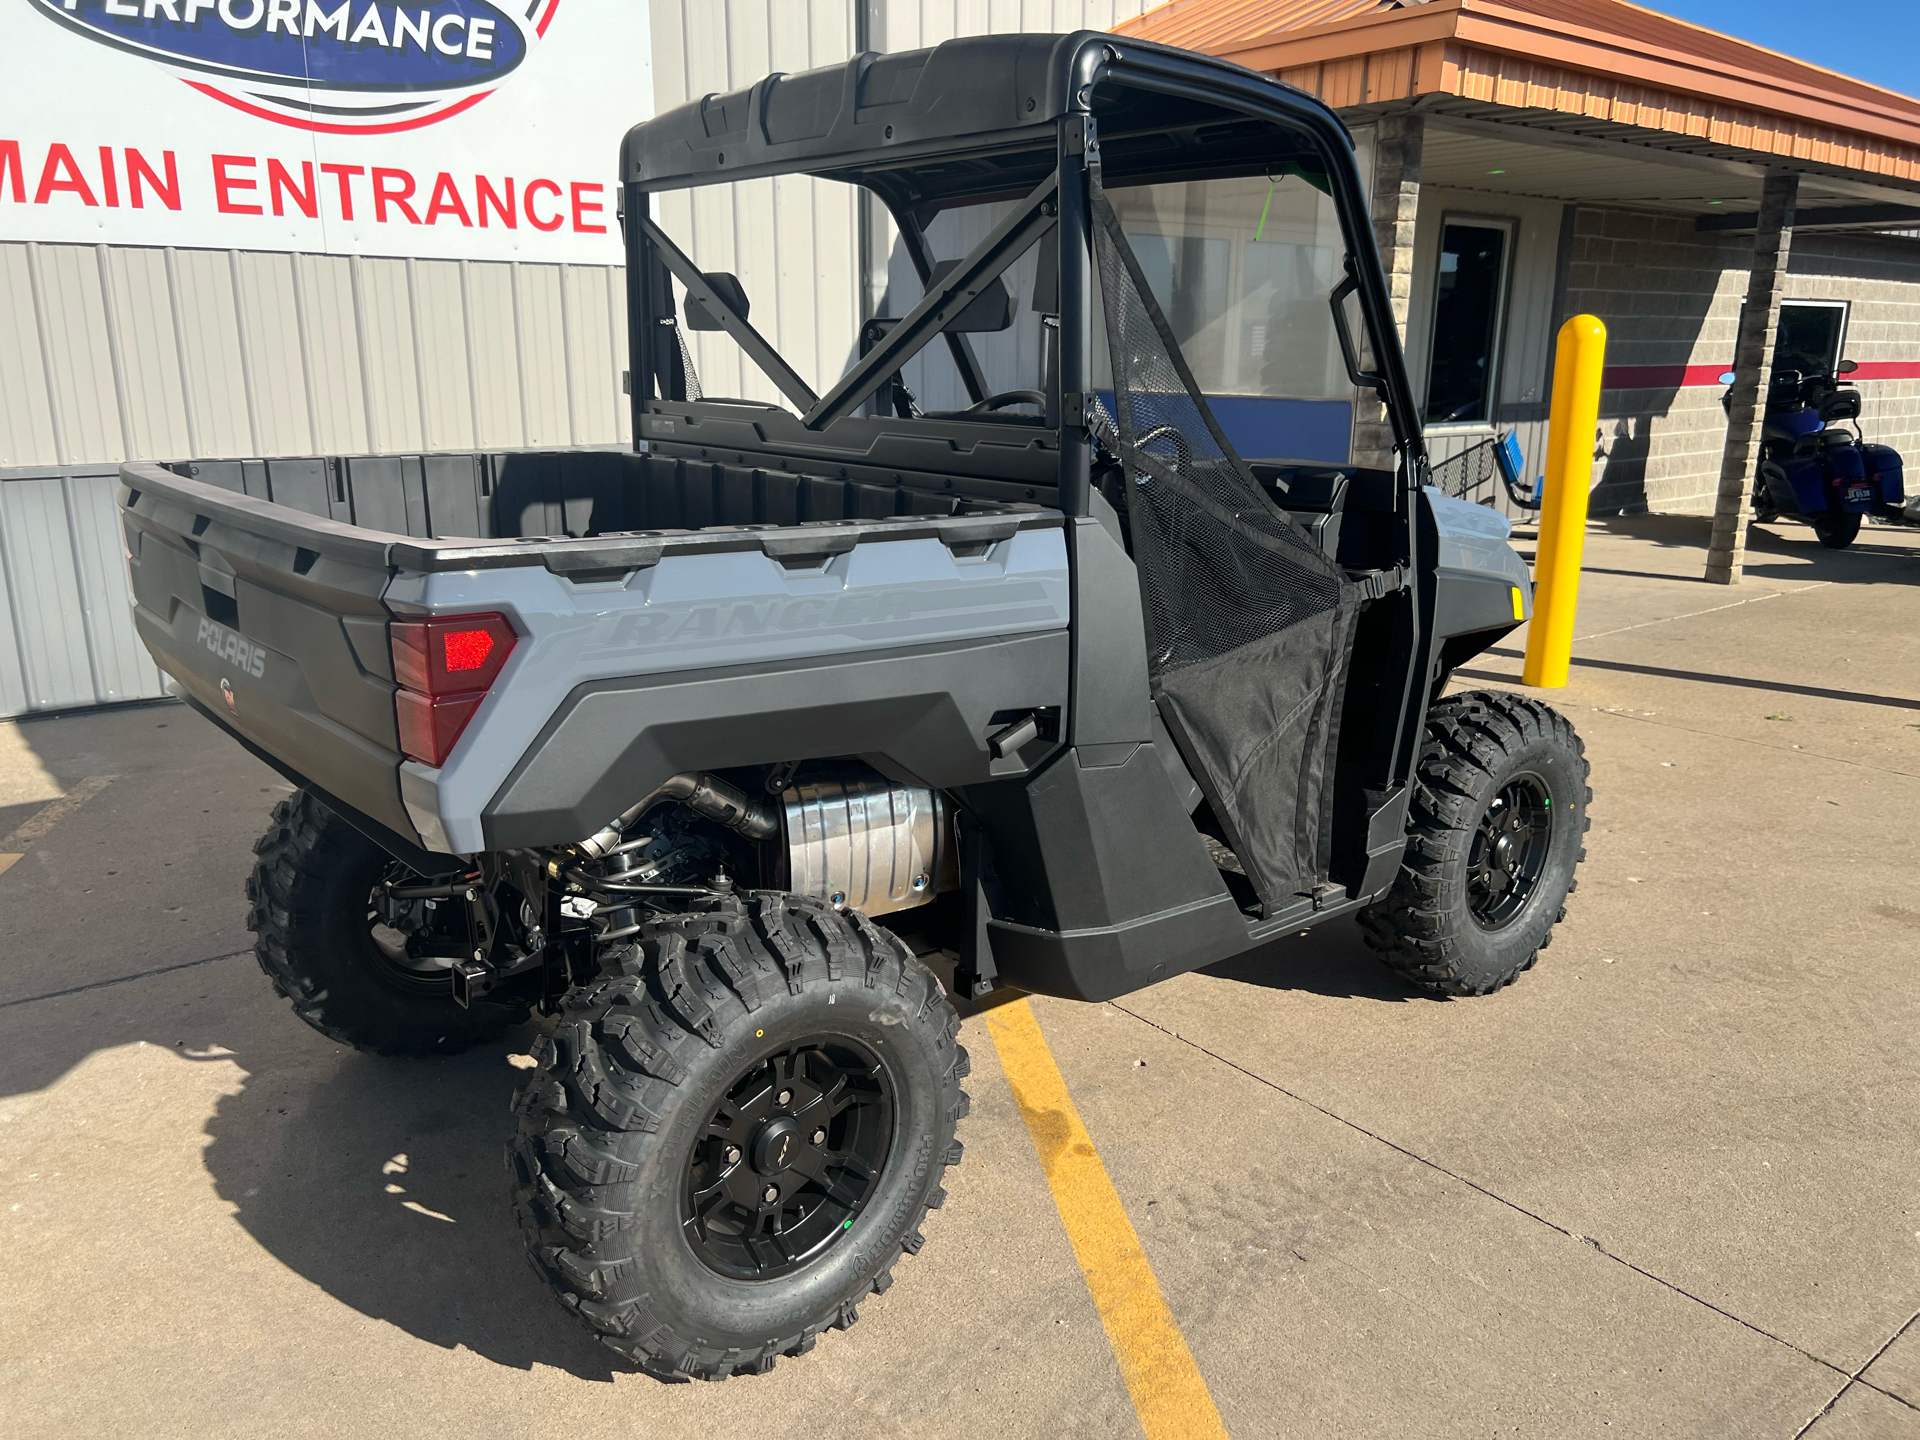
(1241, 267)
(1242, 270)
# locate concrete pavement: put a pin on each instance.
(1668, 1183)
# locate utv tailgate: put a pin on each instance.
(272, 620)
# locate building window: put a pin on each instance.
(1810, 336)
(1469, 298)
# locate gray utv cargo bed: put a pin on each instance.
(653, 599)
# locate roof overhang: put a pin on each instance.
(1599, 68)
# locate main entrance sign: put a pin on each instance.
(473, 129)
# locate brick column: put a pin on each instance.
(1752, 361)
(1397, 147)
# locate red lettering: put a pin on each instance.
(383, 196)
(109, 179)
(10, 165)
(224, 185)
(61, 158)
(278, 180)
(534, 220)
(484, 196)
(344, 174)
(452, 204)
(581, 205)
(138, 171)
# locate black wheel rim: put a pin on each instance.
(391, 950)
(1509, 852)
(789, 1159)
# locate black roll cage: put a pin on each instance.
(1097, 65)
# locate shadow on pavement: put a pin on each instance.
(1790, 541)
(1855, 697)
(1331, 959)
(381, 1181)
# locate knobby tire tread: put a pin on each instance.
(608, 1074)
(1468, 736)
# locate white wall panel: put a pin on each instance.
(386, 328)
(149, 346)
(270, 350)
(440, 338)
(323, 289)
(593, 368)
(496, 373)
(26, 416)
(209, 325)
(78, 351)
(543, 354)
(37, 550)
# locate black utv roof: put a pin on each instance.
(981, 96)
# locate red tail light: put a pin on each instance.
(444, 666)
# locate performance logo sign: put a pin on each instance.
(334, 66)
(471, 129)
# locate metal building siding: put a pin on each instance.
(330, 338)
(912, 24)
(494, 373)
(67, 638)
(26, 417)
(151, 386)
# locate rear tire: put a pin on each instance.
(1837, 533)
(683, 1110)
(310, 890)
(1494, 834)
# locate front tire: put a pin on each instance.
(1494, 835)
(316, 941)
(732, 1139)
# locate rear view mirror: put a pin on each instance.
(728, 290)
(1728, 377)
(1846, 367)
(989, 311)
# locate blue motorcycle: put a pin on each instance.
(1813, 469)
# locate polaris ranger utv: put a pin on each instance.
(1095, 671)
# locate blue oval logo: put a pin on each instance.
(331, 65)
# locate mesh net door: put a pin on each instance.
(1249, 624)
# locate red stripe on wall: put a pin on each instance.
(1659, 377)
(1675, 377)
(1887, 370)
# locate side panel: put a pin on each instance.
(723, 612)
(1105, 885)
(926, 711)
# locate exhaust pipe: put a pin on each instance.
(703, 794)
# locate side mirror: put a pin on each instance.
(728, 290)
(1846, 367)
(1728, 378)
(988, 312)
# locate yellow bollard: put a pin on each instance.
(1577, 365)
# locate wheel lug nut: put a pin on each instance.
(733, 1154)
(770, 1194)
(785, 1097)
(819, 1137)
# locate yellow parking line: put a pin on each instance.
(47, 816)
(1169, 1395)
